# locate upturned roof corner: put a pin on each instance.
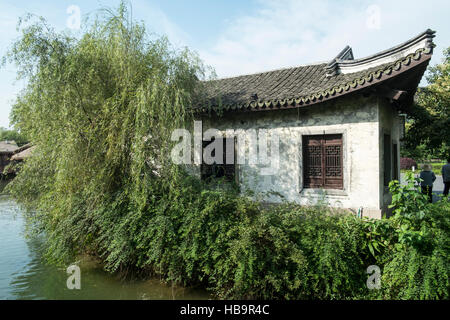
(345, 62)
(399, 68)
(333, 66)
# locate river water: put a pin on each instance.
(25, 275)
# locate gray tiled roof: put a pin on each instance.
(278, 85)
(310, 84)
(8, 146)
(25, 153)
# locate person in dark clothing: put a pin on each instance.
(446, 177)
(428, 177)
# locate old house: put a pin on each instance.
(7, 149)
(23, 152)
(339, 126)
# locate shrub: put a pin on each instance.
(420, 269)
(419, 265)
(407, 163)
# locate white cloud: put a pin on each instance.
(159, 23)
(288, 33)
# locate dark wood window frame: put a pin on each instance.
(395, 174)
(224, 170)
(387, 159)
(323, 161)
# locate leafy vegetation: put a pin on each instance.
(427, 133)
(419, 268)
(100, 111)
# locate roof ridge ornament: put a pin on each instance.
(345, 62)
(333, 66)
(346, 54)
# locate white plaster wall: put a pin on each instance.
(355, 117)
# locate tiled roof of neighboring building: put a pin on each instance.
(24, 153)
(8, 146)
(310, 84)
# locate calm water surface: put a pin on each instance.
(24, 275)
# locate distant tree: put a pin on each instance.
(11, 134)
(429, 122)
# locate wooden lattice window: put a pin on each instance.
(322, 161)
(225, 169)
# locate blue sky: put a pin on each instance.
(238, 37)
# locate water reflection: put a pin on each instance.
(25, 275)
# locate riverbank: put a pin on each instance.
(241, 251)
(25, 275)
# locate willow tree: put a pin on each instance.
(100, 109)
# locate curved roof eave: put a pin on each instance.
(318, 86)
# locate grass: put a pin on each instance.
(436, 167)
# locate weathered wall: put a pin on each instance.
(389, 123)
(355, 117)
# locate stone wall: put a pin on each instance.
(355, 117)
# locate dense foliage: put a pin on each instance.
(427, 133)
(100, 111)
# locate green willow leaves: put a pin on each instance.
(100, 109)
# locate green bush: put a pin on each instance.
(193, 236)
(418, 267)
